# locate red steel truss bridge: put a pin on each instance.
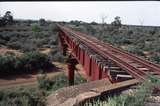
(102, 60)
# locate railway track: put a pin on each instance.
(135, 66)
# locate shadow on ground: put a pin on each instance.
(51, 69)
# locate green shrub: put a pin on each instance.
(138, 98)
(56, 82)
(2, 41)
(42, 22)
(79, 79)
(90, 29)
(59, 81)
(136, 51)
(53, 28)
(155, 58)
(44, 82)
(7, 64)
(36, 28)
(94, 23)
(33, 96)
(11, 64)
(56, 55)
(15, 45)
(53, 84)
(28, 47)
(75, 22)
(35, 59)
(22, 97)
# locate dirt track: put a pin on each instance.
(5, 50)
(18, 80)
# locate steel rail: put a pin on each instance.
(132, 70)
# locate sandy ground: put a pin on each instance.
(6, 50)
(45, 50)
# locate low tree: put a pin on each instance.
(36, 28)
(42, 22)
(2, 22)
(8, 17)
(76, 22)
(116, 22)
(94, 23)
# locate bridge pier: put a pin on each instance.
(71, 64)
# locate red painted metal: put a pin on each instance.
(87, 64)
(82, 56)
(96, 72)
(93, 68)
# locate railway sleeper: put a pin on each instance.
(115, 72)
(143, 69)
(120, 77)
(123, 76)
(137, 65)
(113, 75)
(114, 68)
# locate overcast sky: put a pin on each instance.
(131, 12)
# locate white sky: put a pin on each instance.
(131, 12)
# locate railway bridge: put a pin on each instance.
(108, 68)
(102, 60)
